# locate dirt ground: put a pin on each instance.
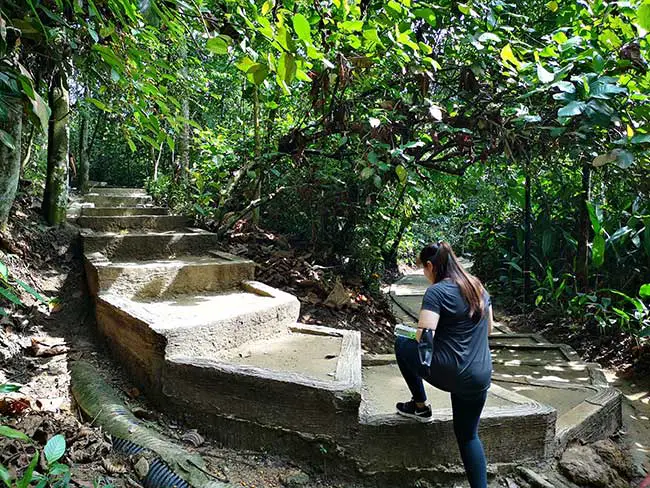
(38, 343)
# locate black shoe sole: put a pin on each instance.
(424, 420)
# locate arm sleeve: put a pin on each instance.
(432, 300)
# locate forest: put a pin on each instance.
(357, 131)
(517, 132)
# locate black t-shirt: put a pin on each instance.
(461, 352)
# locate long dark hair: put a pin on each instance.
(446, 265)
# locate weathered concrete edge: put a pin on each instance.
(278, 399)
(100, 269)
(243, 370)
(597, 417)
(348, 368)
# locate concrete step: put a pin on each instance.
(588, 408)
(143, 222)
(164, 278)
(144, 332)
(122, 211)
(307, 380)
(513, 427)
(149, 246)
(118, 191)
(116, 200)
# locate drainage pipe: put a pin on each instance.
(169, 465)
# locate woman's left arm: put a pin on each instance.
(428, 320)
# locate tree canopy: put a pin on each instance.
(518, 131)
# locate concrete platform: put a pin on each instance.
(274, 387)
(143, 333)
(389, 441)
(148, 246)
(166, 278)
(90, 211)
(160, 223)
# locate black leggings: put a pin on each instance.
(467, 413)
(466, 408)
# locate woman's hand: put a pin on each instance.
(418, 335)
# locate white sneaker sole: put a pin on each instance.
(423, 420)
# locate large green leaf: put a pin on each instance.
(508, 56)
(640, 139)
(544, 75)
(595, 216)
(257, 73)
(643, 16)
(598, 251)
(402, 173)
(367, 172)
(6, 431)
(42, 111)
(218, 44)
(605, 88)
(644, 291)
(29, 473)
(488, 36)
(426, 14)
(7, 139)
(287, 67)
(54, 449)
(9, 295)
(5, 476)
(302, 27)
(572, 109)
(352, 25)
(31, 291)
(245, 64)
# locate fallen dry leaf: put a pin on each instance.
(47, 348)
(14, 404)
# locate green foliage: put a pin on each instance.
(9, 289)
(57, 474)
(365, 129)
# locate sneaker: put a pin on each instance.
(409, 409)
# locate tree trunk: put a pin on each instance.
(390, 258)
(156, 163)
(184, 141)
(527, 235)
(55, 199)
(10, 158)
(582, 259)
(258, 153)
(28, 150)
(84, 163)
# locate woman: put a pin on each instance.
(457, 310)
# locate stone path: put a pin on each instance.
(224, 352)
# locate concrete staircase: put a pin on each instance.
(211, 345)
